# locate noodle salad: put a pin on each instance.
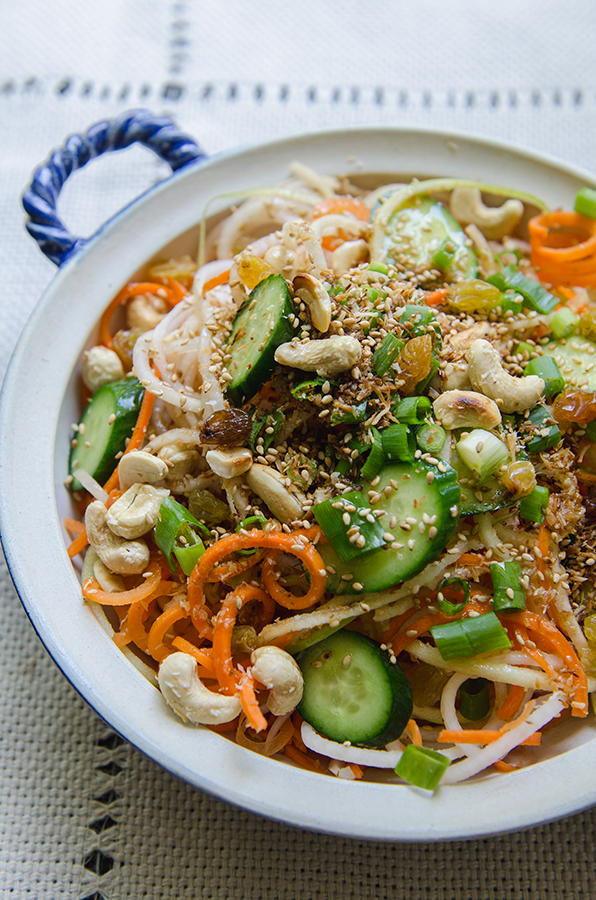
(336, 479)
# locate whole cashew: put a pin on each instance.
(466, 409)
(101, 366)
(487, 375)
(229, 462)
(279, 672)
(327, 357)
(119, 555)
(493, 221)
(107, 581)
(312, 291)
(136, 512)
(267, 483)
(348, 255)
(145, 311)
(140, 467)
(186, 694)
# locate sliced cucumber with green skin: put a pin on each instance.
(352, 692)
(260, 326)
(107, 421)
(416, 232)
(422, 491)
(576, 358)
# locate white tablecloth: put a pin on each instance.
(83, 815)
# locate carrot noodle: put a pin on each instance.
(356, 770)
(172, 296)
(417, 628)
(202, 655)
(222, 633)
(436, 297)
(92, 590)
(481, 736)
(512, 702)
(413, 732)
(73, 526)
(79, 544)
(279, 594)
(160, 627)
(297, 756)
(234, 567)
(132, 630)
(396, 624)
(216, 280)
(250, 705)
(503, 766)
(346, 204)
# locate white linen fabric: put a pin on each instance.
(82, 814)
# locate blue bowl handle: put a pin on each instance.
(40, 200)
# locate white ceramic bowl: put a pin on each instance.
(39, 402)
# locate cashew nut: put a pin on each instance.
(101, 366)
(454, 376)
(107, 581)
(145, 311)
(140, 467)
(327, 357)
(312, 291)
(179, 459)
(229, 462)
(281, 259)
(487, 375)
(136, 512)
(186, 694)
(348, 255)
(466, 409)
(119, 555)
(486, 260)
(279, 672)
(267, 483)
(493, 221)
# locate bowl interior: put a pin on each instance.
(164, 224)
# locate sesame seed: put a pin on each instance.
(357, 586)
(411, 544)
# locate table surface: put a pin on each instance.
(82, 814)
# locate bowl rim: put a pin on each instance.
(249, 781)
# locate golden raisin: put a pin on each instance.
(252, 270)
(414, 362)
(473, 295)
(573, 407)
(519, 478)
(124, 342)
(587, 324)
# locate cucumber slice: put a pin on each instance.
(415, 233)
(576, 358)
(415, 497)
(260, 326)
(107, 421)
(352, 692)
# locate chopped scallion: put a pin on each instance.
(508, 593)
(538, 430)
(564, 323)
(246, 525)
(378, 267)
(585, 202)
(474, 699)
(376, 457)
(534, 505)
(346, 523)
(444, 255)
(189, 556)
(482, 452)
(431, 437)
(386, 354)
(422, 767)
(177, 528)
(446, 606)
(398, 443)
(412, 410)
(470, 637)
(534, 294)
(546, 368)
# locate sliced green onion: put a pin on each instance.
(585, 202)
(420, 320)
(311, 388)
(386, 354)
(538, 430)
(246, 525)
(376, 457)
(508, 593)
(189, 556)
(470, 637)
(176, 522)
(444, 255)
(351, 416)
(564, 322)
(534, 294)
(474, 699)
(273, 420)
(524, 349)
(343, 466)
(482, 452)
(533, 506)
(422, 767)
(398, 442)
(378, 267)
(446, 606)
(546, 368)
(346, 523)
(511, 302)
(412, 410)
(431, 437)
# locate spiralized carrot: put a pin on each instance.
(296, 543)
(202, 655)
(92, 590)
(300, 758)
(73, 525)
(339, 206)
(222, 633)
(480, 736)
(413, 732)
(171, 296)
(226, 571)
(436, 297)
(132, 630)
(79, 544)
(250, 705)
(512, 702)
(157, 632)
(281, 595)
(416, 629)
(223, 278)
